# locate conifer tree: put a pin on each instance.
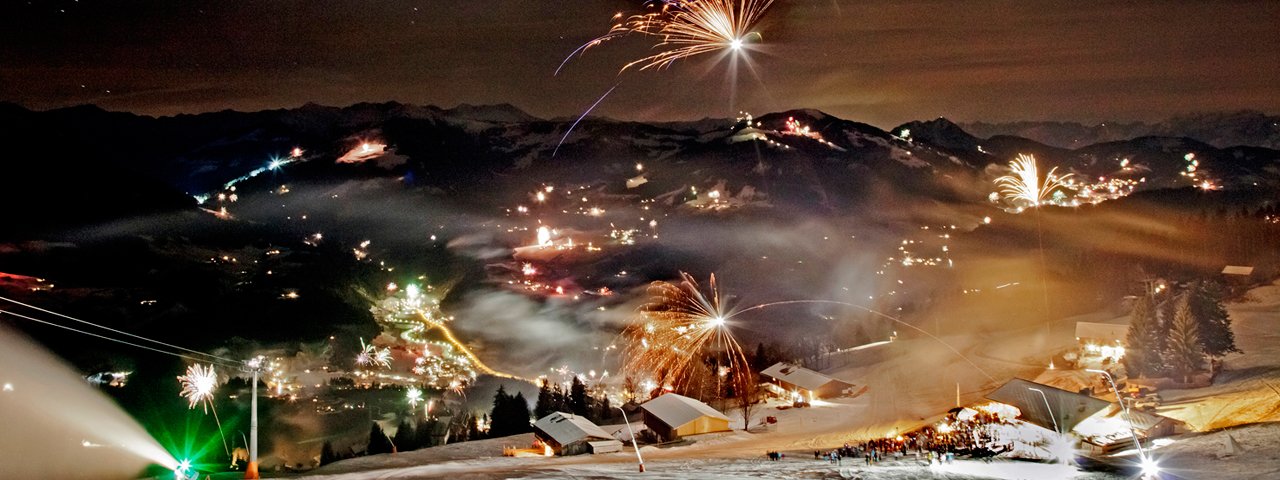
(545, 404)
(1143, 345)
(502, 423)
(519, 412)
(1212, 321)
(378, 441)
(327, 455)
(404, 437)
(578, 398)
(1185, 353)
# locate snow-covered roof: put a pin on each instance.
(1056, 408)
(566, 428)
(1107, 332)
(799, 376)
(1237, 270)
(678, 410)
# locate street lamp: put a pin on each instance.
(253, 365)
(1149, 466)
(1047, 407)
(639, 460)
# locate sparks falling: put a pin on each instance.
(681, 324)
(1024, 186)
(198, 384)
(371, 355)
(685, 28)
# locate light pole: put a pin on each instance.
(254, 365)
(1047, 407)
(1149, 467)
(639, 460)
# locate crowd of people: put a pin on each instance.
(961, 434)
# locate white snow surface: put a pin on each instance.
(913, 382)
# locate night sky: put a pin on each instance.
(878, 61)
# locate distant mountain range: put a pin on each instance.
(1250, 128)
(84, 163)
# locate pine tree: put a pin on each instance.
(1142, 343)
(1185, 353)
(545, 404)
(378, 441)
(758, 360)
(559, 399)
(578, 398)
(519, 408)
(473, 428)
(422, 434)
(1212, 321)
(327, 455)
(605, 412)
(502, 422)
(404, 438)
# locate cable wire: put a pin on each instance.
(119, 331)
(104, 337)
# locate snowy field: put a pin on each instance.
(912, 383)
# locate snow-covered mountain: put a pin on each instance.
(121, 163)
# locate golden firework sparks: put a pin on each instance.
(1024, 186)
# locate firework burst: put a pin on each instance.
(371, 355)
(679, 326)
(197, 388)
(685, 28)
(1023, 185)
(413, 395)
(198, 385)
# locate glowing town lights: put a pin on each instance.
(544, 236)
(714, 194)
(275, 164)
(639, 167)
(986, 220)
(528, 270)
(540, 197)
(412, 291)
(391, 287)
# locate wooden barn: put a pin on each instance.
(672, 416)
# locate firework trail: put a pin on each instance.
(197, 388)
(1024, 185)
(580, 117)
(873, 312)
(682, 28)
